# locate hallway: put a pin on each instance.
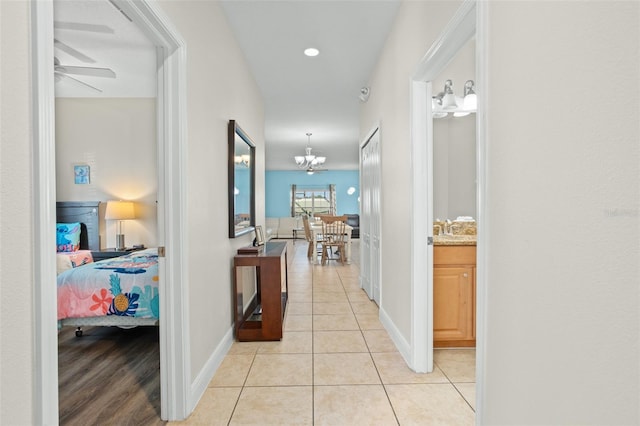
(335, 365)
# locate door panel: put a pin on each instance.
(370, 216)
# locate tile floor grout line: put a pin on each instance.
(454, 385)
(235, 406)
(463, 397)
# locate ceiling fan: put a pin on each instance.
(63, 71)
(311, 170)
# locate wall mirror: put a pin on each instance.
(242, 178)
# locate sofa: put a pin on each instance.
(283, 227)
(353, 220)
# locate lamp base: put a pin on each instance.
(119, 241)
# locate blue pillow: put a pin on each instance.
(68, 237)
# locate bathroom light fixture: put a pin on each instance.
(311, 51)
(449, 99)
(447, 102)
(470, 101)
(364, 94)
(308, 161)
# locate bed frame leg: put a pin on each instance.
(79, 332)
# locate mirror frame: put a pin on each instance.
(233, 130)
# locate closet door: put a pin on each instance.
(370, 193)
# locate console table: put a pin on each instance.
(259, 315)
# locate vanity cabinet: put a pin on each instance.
(454, 296)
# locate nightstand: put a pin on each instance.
(110, 253)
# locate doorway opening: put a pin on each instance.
(171, 114)
(469, 21)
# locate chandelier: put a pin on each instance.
(447, 102)
(308, 161)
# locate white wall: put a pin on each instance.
(563, 204)
(16, 210)
(220, 87)
(454, 145)
(116, 137)
(454, 168)
(416, 27)
(564, 214)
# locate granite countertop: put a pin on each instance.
(454, 240)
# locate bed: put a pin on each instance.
(121, 291)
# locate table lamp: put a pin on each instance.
(120, 211)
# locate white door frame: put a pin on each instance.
(171, 114)
(469, 20)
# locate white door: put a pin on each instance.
(370, 192)
(365, 220)
(375, 215)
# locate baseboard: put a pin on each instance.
(398, 339)
(200, 384)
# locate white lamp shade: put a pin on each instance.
(119, 210)
(299, 159)
(471, 102)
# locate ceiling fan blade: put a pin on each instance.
(58, 73)
(73, 52)
(77, 26)
(88, 71)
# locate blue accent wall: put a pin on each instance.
(278, 189)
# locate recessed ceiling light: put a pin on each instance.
(311, 51)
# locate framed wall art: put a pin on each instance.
(81, 174)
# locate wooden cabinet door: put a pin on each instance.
(453, 300)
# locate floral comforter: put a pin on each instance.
(125, 286)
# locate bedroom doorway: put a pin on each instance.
(170, 112)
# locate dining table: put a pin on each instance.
(316, 230)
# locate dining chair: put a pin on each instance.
(333, 235)
(328, 218)
(308, 235)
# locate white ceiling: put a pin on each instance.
(301, 94)
(319, 94)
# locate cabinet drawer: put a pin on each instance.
(454, 255)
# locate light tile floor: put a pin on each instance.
(335, 365)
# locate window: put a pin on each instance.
(311, 202)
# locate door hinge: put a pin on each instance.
(160, 251)
(429, 241)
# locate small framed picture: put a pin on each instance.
(259, 236)
(81, 174)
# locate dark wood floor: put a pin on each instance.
(109, 376)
